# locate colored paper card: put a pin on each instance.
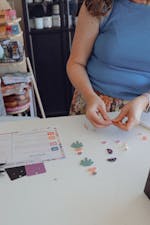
(34, 169)
(16, 172)
(30, 146)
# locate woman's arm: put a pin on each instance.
(85, 34)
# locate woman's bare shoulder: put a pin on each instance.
(86, 20)
(86, 31)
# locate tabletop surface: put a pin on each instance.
(67, 194)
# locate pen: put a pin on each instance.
(2, 164)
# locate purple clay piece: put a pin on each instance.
(112, 159)
(109, 150)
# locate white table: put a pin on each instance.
(67, 194)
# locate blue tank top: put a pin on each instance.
(119, 65)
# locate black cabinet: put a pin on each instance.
(48, 50)
(50, 62)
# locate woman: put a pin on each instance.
(109, 64)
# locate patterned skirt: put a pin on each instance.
(78, 105)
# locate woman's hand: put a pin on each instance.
(131, 113)
(96, 112)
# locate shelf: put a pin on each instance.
(11, 36)
(50, 30)
(48, 49)
(11, 22)
(53, 29)
(38, 3)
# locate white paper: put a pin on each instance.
(36, 145)
(145, 120)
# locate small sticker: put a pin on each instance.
(109, 150)
(144, 138)
(86, 162)
(77, 144)
(92, 170)
(112, 159)
(85, 126)
(34, 169)
(77, 147)
(16, 172)
(55, 148)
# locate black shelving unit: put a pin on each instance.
(48, 50)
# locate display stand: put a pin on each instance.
(34, 94)
(48, 49)
(36, 91)
(22, 65)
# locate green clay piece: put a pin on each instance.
(77, 144)
(86, 162)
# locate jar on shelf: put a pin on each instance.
(39, 23)
(47, 21)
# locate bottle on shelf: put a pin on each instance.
(73, 8)
(29, 1)
(49, 1)
(36, 14)
(40, 15)
(56, 19)
(38, 1)
(47, 19)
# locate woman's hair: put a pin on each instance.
(98, 7)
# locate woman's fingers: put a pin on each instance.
(122, 115)
(125, 120)
(102, 113)
(128, 125)
(99, 119)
